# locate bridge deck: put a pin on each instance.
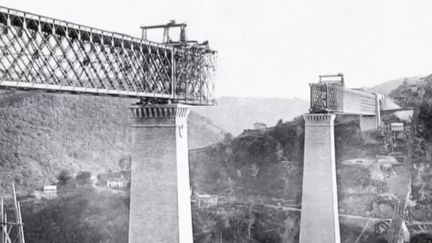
(38, 52)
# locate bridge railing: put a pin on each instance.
(37, 52)
(335, 98)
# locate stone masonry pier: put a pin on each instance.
(319, 213)
(160, 209)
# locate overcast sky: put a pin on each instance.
(276, 47)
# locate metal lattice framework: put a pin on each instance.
(335, 98)
(38, 52)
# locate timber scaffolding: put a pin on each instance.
(11, 231)
(42, 53)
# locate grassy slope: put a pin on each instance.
(40, 135)
(43, 134)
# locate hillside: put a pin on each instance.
(235, 114)
(260, 175)
(257, 175)
(265, 168)
(202, 131)
(42, 134)
(388, 86)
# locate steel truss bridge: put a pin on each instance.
(42, 53)
(330, 95)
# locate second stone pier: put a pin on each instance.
(319, 213)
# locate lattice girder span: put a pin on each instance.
(38, 52)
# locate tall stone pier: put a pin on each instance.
(319, 213)
(160, 209)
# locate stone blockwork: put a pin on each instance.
(143, 115)
(160, 209)
(319, 214)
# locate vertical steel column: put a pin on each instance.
(173, 73)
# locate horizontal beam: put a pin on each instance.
(162, 26)
(99, 92)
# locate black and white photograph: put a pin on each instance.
(215, 121)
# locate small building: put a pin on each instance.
(49, 192)
(404, 115)
(387, 162)
(397, 127)
(205, 201)
(117, 183)
(114, 180)
(260, 126)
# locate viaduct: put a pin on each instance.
(51, 55)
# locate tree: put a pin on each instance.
(64, 177)
(228, 138)
(424, 118)
(280, 122)
(125, 163)
(83, 178)
(250, 221)
(230, 186)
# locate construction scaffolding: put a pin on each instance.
(12, 230)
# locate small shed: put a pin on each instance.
(117, 183)
(49, 191)
(397, 127)
(205, 201)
